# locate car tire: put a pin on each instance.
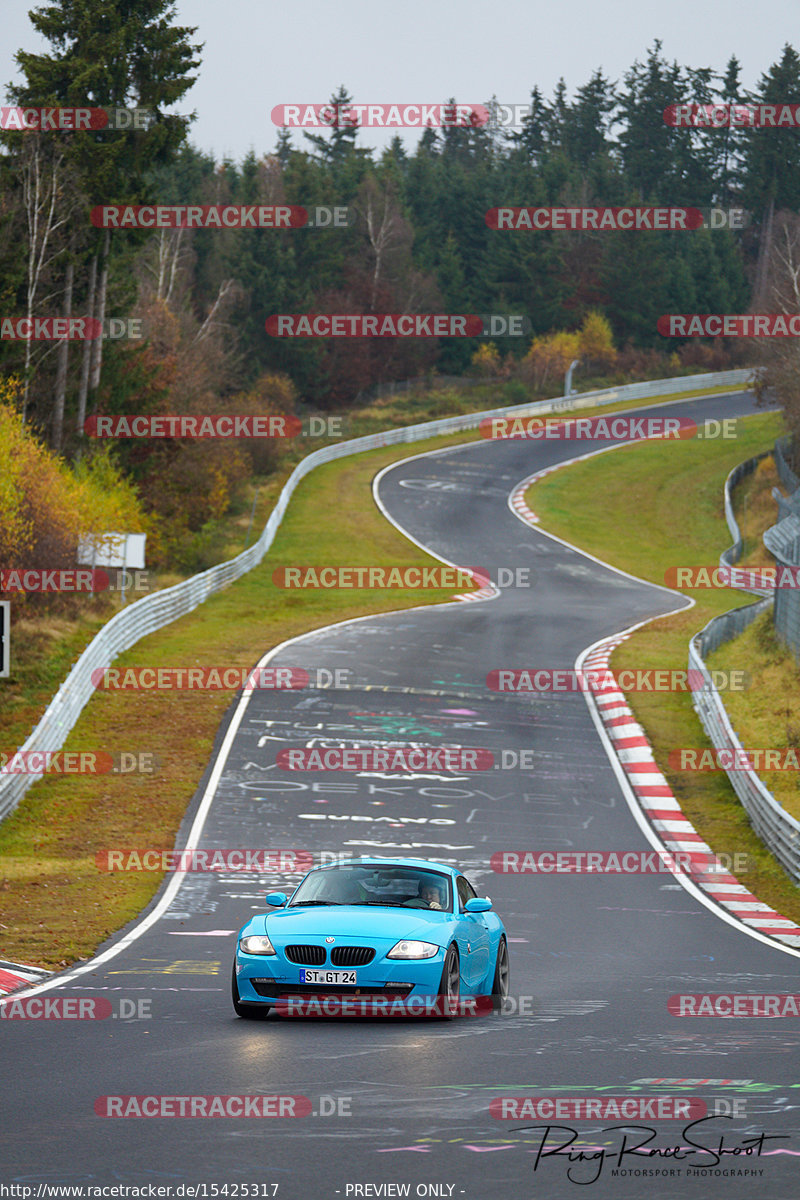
(251, 1011)
(450, 984)
(502, 976)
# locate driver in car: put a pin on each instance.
(431, 894)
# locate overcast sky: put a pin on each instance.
(259, 53)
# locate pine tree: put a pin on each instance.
(531, 139)
(650, 149)
(338, 149)
(731, 139)
(588, 120)
(771, 159)
(771, 171)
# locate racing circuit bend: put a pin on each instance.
(596, 956)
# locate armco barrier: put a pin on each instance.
(159, 609)
(783, 542)
(779, 831)
(739, 472)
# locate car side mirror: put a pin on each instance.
(478, 904)
(276, 899)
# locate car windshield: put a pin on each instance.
(390, 886)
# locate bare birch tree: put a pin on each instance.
(46, 204)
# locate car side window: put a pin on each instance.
(465, 892)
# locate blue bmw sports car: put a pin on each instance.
(404, 929)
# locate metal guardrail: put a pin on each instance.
(732, 555)
(651, 387)
(779, 830)
(783, 542)
(153, 612)
(728, 626)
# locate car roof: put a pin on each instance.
(368, 861)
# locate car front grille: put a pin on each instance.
(352, 956)
(307, 956)
(274, 988)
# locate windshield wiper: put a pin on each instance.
(300, 903)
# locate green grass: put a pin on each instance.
(768, 714)
(645, 508)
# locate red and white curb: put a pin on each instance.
(648, 785)
(18, 975)
(487, 592)
(516, 500)
(654, 795)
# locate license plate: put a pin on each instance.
(307, 976)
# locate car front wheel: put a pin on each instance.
(450, 986)
(502, 976)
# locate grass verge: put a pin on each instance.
(768, 715)
(667, 498)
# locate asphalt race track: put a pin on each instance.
(593, 958)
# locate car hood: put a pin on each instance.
(358, 921)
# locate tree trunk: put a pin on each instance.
(63, 359)
(97, 344)
(42, 185)
(87, 348)
(765, 254)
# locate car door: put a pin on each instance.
(472, 937)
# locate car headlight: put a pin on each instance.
(407, 949)
(256, 943)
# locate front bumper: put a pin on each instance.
(264, 978)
